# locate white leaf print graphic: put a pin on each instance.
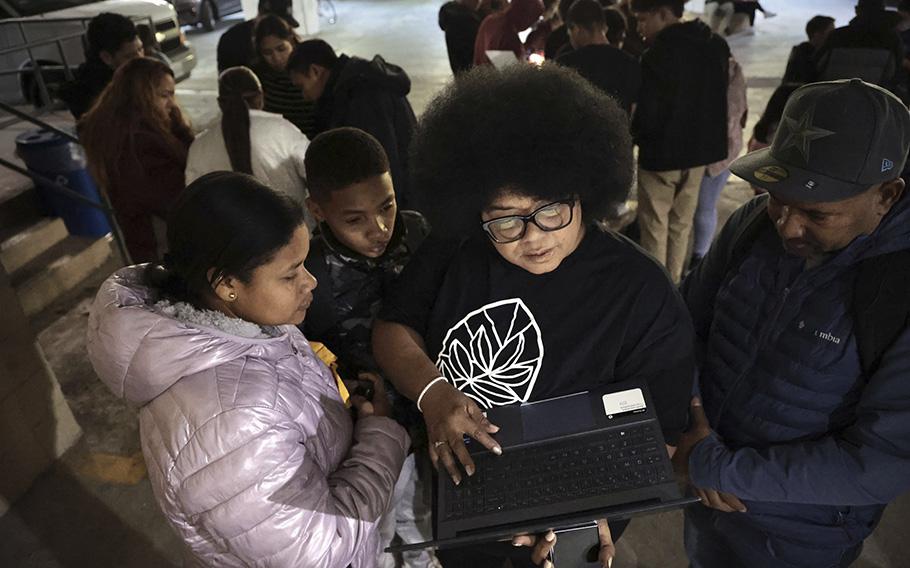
(494, 354)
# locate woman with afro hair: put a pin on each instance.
(519, 294)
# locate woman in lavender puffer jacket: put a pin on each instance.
(252, 455)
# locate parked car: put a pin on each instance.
(204, 12)
(54, 31)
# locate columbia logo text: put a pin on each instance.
(827, 337)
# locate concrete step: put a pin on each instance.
(18, 209)
(27, 244)
(58, 270)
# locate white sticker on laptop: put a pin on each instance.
(618, 404)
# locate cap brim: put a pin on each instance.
(763, 170)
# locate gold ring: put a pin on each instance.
(439, 443)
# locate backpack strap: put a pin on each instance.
(747, 233)
(881, 306)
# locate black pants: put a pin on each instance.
(748, 8)
(494, 555)
(714, 540)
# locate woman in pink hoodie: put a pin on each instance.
(252, 454)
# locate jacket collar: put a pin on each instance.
(353, 257)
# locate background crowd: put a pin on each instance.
(359, 183)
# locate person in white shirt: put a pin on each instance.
(249, 140)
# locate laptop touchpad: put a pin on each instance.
(558, 417)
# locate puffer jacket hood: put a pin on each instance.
(378, 73)
(139, 349)
(251, 453)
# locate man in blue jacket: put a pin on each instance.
(803, 437)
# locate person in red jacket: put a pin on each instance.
(499, 31)
(136, 139)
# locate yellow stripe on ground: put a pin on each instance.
(118, 470)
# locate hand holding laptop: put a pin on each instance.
(700, 429)
(544, 545)
(450, 415)
(572, 459)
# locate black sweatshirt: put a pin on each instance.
(501, 335)
(681, 118)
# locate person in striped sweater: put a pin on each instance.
(275, 41)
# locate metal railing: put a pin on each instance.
(29, 46)
(104, 206)
(37, 70)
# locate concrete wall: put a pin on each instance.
(36, 424)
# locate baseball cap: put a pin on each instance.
(836, 139)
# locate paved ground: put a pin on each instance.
(96, 508)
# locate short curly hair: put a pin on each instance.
(543, 132)
(339, 158)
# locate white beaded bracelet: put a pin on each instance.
(425, 389)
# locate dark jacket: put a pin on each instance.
(556, 42)
(91, 78)
(681, 118)
(353, 287)
(879, 61)
(612, 70)
(813, 448)
(460, 24)
(350, 292)
(372, 96)
(235, 46)
(147, 181)
(801, 65)
(766, 126)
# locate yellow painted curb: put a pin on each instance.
(118, 470)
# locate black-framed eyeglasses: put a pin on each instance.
(549, 217)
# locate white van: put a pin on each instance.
(54, 31)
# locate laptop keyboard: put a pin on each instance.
(560, 471)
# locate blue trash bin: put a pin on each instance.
(63, 161)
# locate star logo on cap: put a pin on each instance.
(801, 133)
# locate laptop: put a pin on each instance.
(502, 59)
(566, 462)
